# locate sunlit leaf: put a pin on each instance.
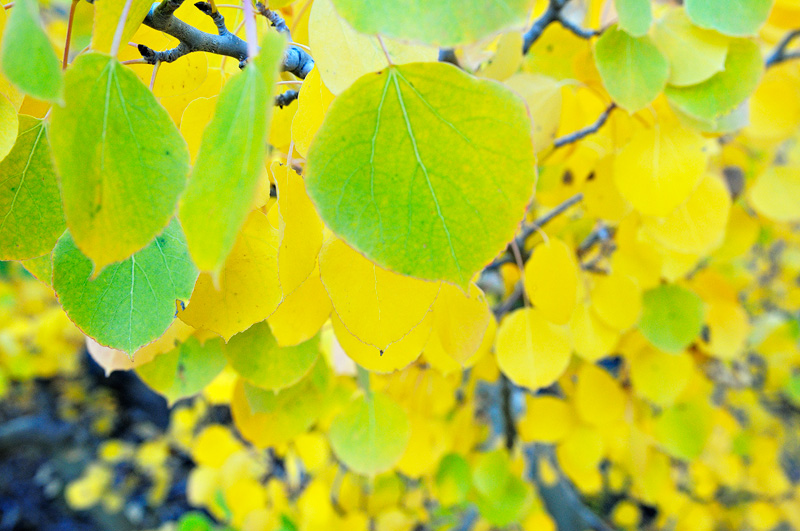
(672, 317)
(635, 16)
(732, 17)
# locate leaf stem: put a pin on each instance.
(385, 51)
(250, 29)
(120, 27)
(362, 375)
(69, 34)
(153, 77)
(8, 5)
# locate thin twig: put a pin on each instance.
(780, 54)
(274, 18)
(120, 27)
(153, 77)
(290, 82)
(135, 62)
(69, 34)
(554, 13)
(250, 29)
(586, 131)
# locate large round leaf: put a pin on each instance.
(132, 302)
(732, 17)
(406, 169)
(436, 22)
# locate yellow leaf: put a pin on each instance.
(543, 96)
(459, 321)
(344, 55)
(601, 198)
(547, 419)
(530, 350)
(599, 400)
(375, 305)
(728, 328)
(106, 20)
(300, 229)
(249, 287)
(312, 104)
(551, 280)
(659, 168)
(698, 225)
(194, 121)
(636, 257)
(774, 106)
(507, 57)
(427, 445)
(440, 360)
(775, 192)
(395, 356)
(617, 300)
(302, 313)
(660, 377)
(592, 338)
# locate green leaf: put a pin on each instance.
(792, 389)
(9, 123)
(632, 69)
(694, 54)
(405, 169)
(185, 370)
(731, 17)
(684, 429)
(635, 16)
(27, 57)
(132, 302)
(231, 159)
(41, 268)
(256, 356)
(503, 497)
(724, 91)
(121, 160)
(453, 480)
(672, 317)
(31, 219)
(370, 434)
(436, 22)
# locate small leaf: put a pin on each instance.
(258, 358)
(121, 160)
(436, 22)
(724, 91)
(775, 192)
(231, 158)
(684, 429)
(31, 219)
(132, 302)
(371, 434)
(672, 317)
(106, 19)
(635, 16)
(632, 69)
(185, 370)
(27, 57)
(660, 377)
(731, 17)
(551, 280)
(409, 179)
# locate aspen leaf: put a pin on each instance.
(300, 229)
(530, 350)
(599, 400)
(698, 225)
(436, 356)
(725, 90)
(107, 17)
(459, 321)
(543, 96)
(395, 356)
(453, 480)
(41, 268)
(728, 326)
(412, 184)
(342, 55)
(658, 169)
(186, 369)
(551, 280)
(592, 338)
(27, 57)
(507, 57)
(375, 305)
(10, 126)
(426, 445)
(312, 104)
(672, 317)
(633, 70)
(132, 302)
(434, 22)
(121, 161)
(635, 16)
(301, 313)
(694, 54)
(30, 201)
(194, 121)
(249, 288)
(775, 191)
(258, 358)
(660, 377)
(683, 429)
(732, 17)
(617, 300)
(547, 419)
(774, 109)
(371, 434)
(231, 158)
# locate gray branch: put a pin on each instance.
(162, 18)
(554, 13)
(780, 54)
(586, 131)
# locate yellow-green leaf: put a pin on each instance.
(409, 179)
(635, 16)
(27, 57)
(121, 160)
(672, 317)
(231, 158)
(132, 302)
(31, 219)
(732, 17)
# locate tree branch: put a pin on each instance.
(554, 13)
(780, 54)
(161, 17)
(586, 131)
(284, 99)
